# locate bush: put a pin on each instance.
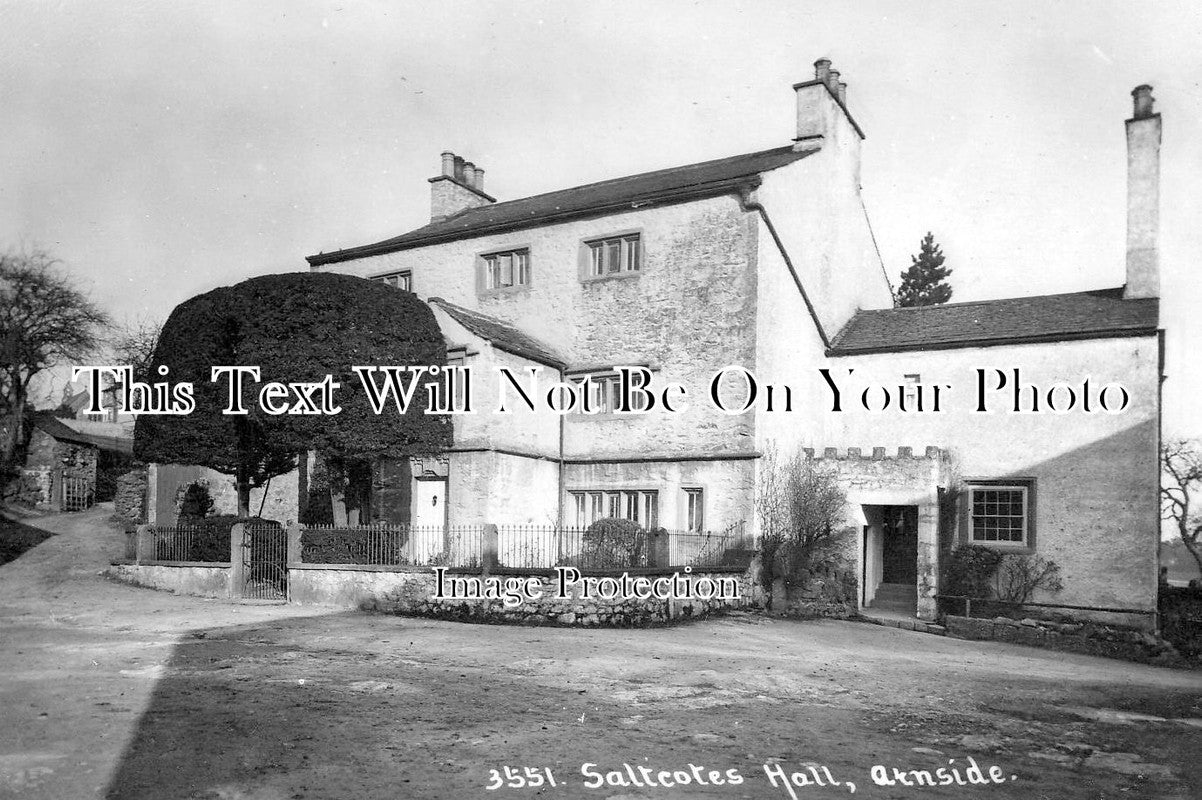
(1180, 612)
(969, 571)
(350, 545)
(196, 502)
(1021, 575)
(210, 539)
(611, 543)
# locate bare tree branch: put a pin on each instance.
(44, 321)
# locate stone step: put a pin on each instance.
(896, 591)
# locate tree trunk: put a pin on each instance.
(336, 475)
(16, 425)
(1191, 544)
(242, 481)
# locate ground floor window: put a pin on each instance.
(999, 514)
(636, 505)
(695, 509)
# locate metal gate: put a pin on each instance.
(264, 562)
(77, 494)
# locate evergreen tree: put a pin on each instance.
(297, 327)
(925, 282)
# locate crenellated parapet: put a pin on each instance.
(874, 454)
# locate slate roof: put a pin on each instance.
(1053, 317)
(707, 178)
(502, 335)
(61, 430)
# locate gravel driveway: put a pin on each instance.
(112, 691)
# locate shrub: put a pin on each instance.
(969, 571)
(800, 505)
(210, 538)
(353, 546)
(611, 543)
(1020, 575)
(196, 503)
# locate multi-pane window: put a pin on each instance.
(398, 280)
(636, 505)
(507, 270)
(616, 255)
(999, 515)
(605, 394)
(695, 509)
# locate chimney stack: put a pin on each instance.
(822, 117)
(1143, 198)
(459, 187)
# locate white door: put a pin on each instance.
(429, 500)
(429, 517)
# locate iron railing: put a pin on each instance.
(393, 545)
(523, 546)
(199, 542)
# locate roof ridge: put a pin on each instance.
(967, 303)
(637, 175)
(668, 184)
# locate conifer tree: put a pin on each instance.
(925, 282)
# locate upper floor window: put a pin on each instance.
(999, 514)
(604, 394)
(615, 256)
(506, 270)
(397, 280)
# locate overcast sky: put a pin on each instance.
(165, 149)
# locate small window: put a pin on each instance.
(695, 509)
(615, 256)
(605, 394)
(1000, 515)
(459, 389)
(507, 270)
(397, 280)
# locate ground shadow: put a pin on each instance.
(16, 538)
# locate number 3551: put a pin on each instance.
(520, 778)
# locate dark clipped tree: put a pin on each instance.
(296, 327)
(925, 282)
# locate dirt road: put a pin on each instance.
(113, 691)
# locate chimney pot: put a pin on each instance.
(822, 68)
(1143, 101)
(843, 92)
(448, 163)
(832, 81)
(479, 181)
(469, 174)
(458, 174)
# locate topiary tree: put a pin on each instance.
(296, 327)
(925, 282)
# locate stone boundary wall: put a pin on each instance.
(409, 591)
(178, 577)
(1073, 637)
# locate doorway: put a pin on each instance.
(890, 573)
(429, 502)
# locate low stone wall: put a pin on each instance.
(543, 597)
(1074, 637)
(181, 577)
(412, 593)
